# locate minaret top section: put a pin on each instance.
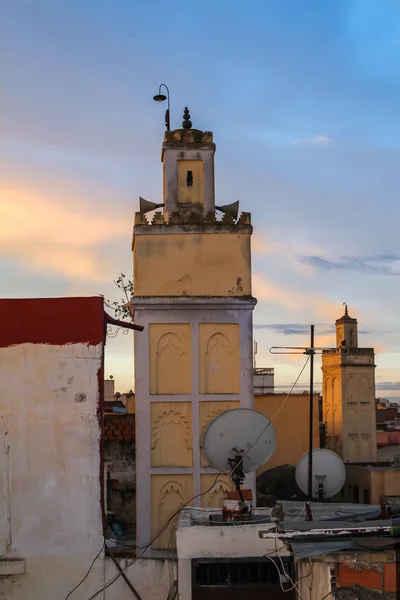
(188, 170)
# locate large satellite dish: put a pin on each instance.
(329, 473)
(241, 433)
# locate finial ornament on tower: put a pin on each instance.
(346, 312)
(187, 123)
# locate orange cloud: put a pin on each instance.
(322, 308)
(56, 235)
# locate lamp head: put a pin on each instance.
(159, 97)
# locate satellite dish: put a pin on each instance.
(238, 433)
(329, 473)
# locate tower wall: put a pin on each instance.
(194, 359)
(349, 403)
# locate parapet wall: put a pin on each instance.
(192, 221)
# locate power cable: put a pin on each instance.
(87, 574)
(167, 523)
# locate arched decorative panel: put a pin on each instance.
(215, 497)
(351, 391)
(169, 494)
(170, 359)
(366, 391)
(171, 436)
(219, 358)
(365, 421)
(352, 422)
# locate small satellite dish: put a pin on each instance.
(238, 433)
(329, 473)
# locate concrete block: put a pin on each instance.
(12, 567)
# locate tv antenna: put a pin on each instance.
(239, 441)
(310, 351)
(329, 474)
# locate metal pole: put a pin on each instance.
(310, 442)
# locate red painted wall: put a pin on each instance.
(56, 321)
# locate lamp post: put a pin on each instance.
(161, 98)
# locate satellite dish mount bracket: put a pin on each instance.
(237, 475)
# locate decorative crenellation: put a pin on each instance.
(187, 136)
(193, 218)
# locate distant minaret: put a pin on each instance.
(348, 385)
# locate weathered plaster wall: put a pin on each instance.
(379, 481)
(151, 578)
(219, 542)
(313, 579)
(216, 264)
(51, 372)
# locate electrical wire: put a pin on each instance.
(342, 589)
(144, 548)
(167, 523)
(87, 574)
(267, 425)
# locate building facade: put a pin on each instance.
(348, 383)
(192, 293)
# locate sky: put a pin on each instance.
(303, 99)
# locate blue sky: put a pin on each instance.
(303, 99)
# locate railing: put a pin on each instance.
(263, 371)
(353, 351)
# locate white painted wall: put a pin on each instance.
(50, 511)
(202, 541)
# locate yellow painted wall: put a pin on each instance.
(193, 194)
(213, 264)
(131, 404)
(169, 493)
(379, 482)
(219, 358)
(291, 426)
(170, 358)
(171, 434)
(349, 408)
(208, 412)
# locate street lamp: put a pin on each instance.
(161, 98)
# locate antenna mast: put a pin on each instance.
(309, 351)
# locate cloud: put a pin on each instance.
(388, 385)
(317, 140)
(381, 264)
(60, 236)
(293, 299)
(295, 328)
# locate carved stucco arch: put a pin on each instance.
(216, 339)
(167, 340)
(166, 417)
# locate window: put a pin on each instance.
(366, 496)
(238, 572)
(189, 178)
